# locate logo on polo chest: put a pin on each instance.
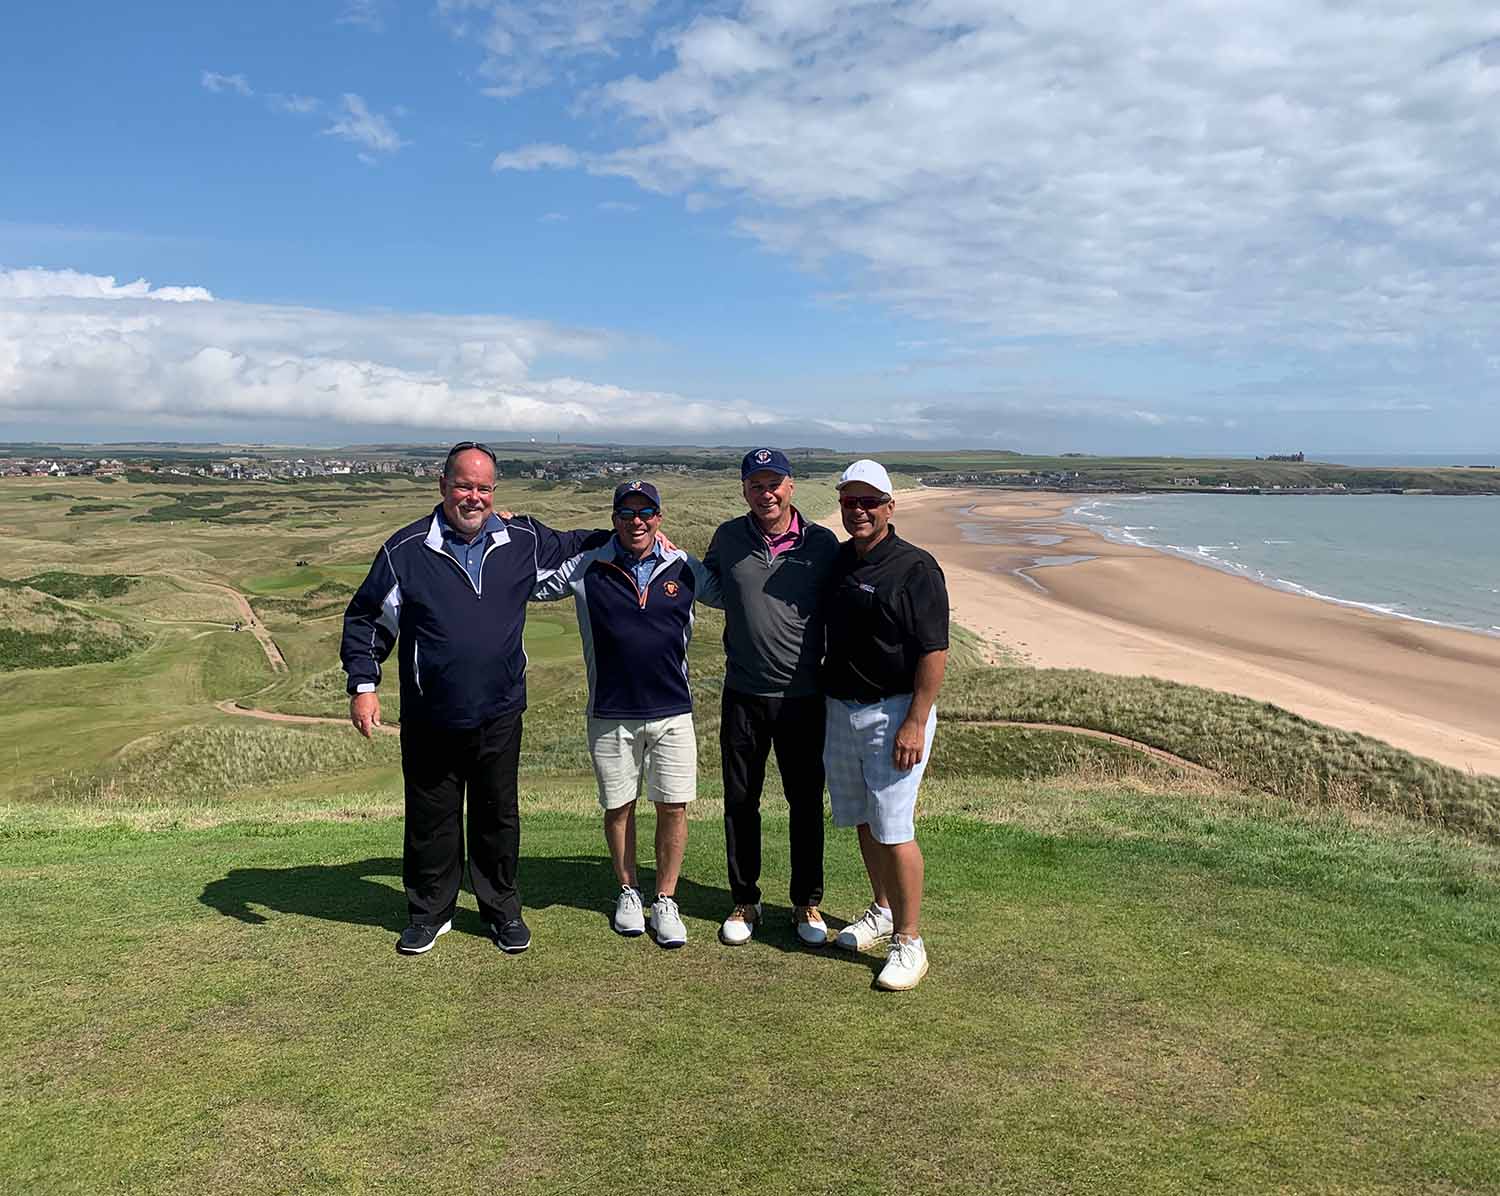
(670, 588)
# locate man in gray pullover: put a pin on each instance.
(767, 570)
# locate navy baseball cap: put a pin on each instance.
(645, 489)
(765, 458)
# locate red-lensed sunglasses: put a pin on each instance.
(864, 502)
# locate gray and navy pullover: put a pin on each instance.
(773, 623)
(634, 639)
(459, 647)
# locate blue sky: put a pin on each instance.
(1247, 227)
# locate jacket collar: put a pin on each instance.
(494, 527)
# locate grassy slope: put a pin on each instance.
(1251, 743)
(1154, 995)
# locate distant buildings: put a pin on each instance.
(248, 468)
(25, 467)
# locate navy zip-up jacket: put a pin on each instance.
(459, 644)
(634, 640)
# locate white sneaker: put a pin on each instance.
(811, 928)
(667, 922)
(905, 966)
(866, 930)
(740, 925)
(630, 918)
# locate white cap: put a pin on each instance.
(872, 473)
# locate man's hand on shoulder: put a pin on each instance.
(364, 712)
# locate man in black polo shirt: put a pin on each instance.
(886, 611)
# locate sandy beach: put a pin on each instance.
(1119, 608)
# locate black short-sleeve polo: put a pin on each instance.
(883, 613)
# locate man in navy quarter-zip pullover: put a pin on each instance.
(449, 592)
(635, 616)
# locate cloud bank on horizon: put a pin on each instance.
(82, 346)
(1090, 225)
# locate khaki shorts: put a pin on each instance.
(662, 750)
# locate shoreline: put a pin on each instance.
(1128, 609)
(1116, 534)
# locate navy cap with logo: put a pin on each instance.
(645, 489)
(765, 458)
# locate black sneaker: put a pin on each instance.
(418, 939)
(511, 937)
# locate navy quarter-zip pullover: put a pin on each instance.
(635, 638)
(458, 638)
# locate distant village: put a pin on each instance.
(256, 468)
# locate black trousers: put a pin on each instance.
(441, 766)
(751, 727)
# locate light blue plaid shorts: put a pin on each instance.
(864, 786)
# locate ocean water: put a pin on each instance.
(1426, 557)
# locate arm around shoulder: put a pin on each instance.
(554, 548)
(707, 588)
(554, 584)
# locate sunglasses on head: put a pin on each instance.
(641, 513)
(865, 502)
(463, 446)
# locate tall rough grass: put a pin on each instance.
(37, 632)
(214, 761)
(1251, 743)
(61, 584)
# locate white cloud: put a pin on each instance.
(83, 347)
(367, 14)
(552, 217)
(35, 284)
(1276, 172)
(521, 38)
(214, 81)
(722, 48)
(365, 128)
(615, 205)
(294, 105)
(536, 157)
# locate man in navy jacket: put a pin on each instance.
(449, 591)
(634, 596)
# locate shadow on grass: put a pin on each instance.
(368, 893)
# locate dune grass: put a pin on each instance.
(96, 508)
(219, 760)
(61, 584)
(1249, 743)
(39, 631)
